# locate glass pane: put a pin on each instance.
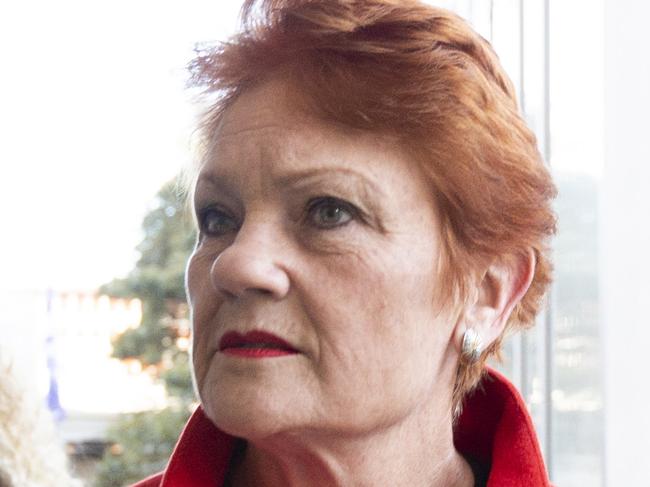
(576, 122)
(533, 99)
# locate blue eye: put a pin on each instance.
(328, 212)
(215, 223)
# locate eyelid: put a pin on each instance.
(313, 202)
(202, 208)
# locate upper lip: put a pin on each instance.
(233, 339)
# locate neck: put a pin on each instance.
(407, 454)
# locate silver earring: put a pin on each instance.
(472, 346)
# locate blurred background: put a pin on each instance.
(96, 125)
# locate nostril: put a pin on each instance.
(266, 292)
(227, 294)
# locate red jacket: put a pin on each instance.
(494, 429)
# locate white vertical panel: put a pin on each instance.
(507, 38)
(534, 100)
(625, 233)
(576, 122)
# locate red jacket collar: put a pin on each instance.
(494, 429)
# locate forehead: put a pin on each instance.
(271, 125)
(278, 115)
(275, 103)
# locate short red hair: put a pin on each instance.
(422, 74)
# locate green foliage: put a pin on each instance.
(168, 241)
(178, 378)
(142, 443)
(145, 343)
(157, 279)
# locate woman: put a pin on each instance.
(373, 217)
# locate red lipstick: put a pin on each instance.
(255, 344)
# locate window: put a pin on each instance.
(558, 76)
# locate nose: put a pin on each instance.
(251, 264)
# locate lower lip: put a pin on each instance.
(257, 352)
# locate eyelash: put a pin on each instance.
(309, 215)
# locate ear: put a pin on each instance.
(502, 286)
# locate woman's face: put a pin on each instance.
(328, 239)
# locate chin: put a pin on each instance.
(251, 411)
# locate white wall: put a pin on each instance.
(625, 239)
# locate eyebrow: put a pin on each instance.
(213, 180)
(346, 179)
(302, 177)
(307, 176)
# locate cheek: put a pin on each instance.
(202, 295)
(376, 305)
(203, 304)
(380, 342)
